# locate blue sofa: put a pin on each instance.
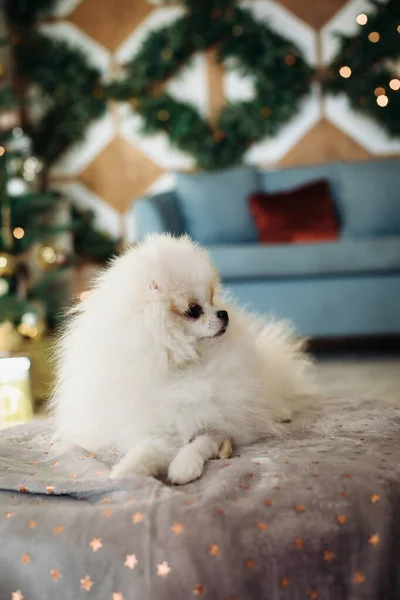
(349, 287)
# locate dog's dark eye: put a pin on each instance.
(194, 311)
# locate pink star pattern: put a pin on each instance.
(137, 518)
(86, 583)
(130, 561)
(55, 573)
(96, 544)
(163, 569)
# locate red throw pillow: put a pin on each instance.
(305, 214)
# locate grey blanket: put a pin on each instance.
(313, 514)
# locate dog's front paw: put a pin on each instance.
(185, 468)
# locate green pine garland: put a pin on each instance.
(69, 88)
(75, 96)
(281, 75)
(370, 66)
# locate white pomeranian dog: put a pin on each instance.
(154, 365)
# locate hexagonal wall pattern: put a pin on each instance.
(116, 164)
(119, 173)
(64, 7)
(109, 22)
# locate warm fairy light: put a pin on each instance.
(2, 150)
(290, 60)
(374, 37)
(4, 287)
(48, 254)
(398, 28)
(379, 91)
(362, 19)
(3, 262)
(18, 233)
(382, 101)
(395, 84)
(345, 72)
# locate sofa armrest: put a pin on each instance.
(157, 214)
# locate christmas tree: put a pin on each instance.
(41, 234)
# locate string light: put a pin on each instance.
(237, 30)
(3, 262)
(163, 115)
(379, 91)
(2, 150)
(4, 286)
(398, 28)
(395, 84)
(17, 132)
(48, 254)
(362, 19)
(16, 186)
(18, 233)
(374, 37)
(345, 72)
(382, 101)
(290, 60)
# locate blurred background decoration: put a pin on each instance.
(102, 101)
(16, 402)
(124, 93)
(43, 237)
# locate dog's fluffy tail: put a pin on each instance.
(286, 357)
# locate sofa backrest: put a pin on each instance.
(368, 195)
(213, 208)
(158, 214)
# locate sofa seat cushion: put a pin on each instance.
(214, 205)
(257, 261)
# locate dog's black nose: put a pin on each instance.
(223, 315)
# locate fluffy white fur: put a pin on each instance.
(137, 373)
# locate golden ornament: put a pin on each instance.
(10, 340)
(7, 264)
(47, 256)
(4, 287)
(32, 325)
(163, 115)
